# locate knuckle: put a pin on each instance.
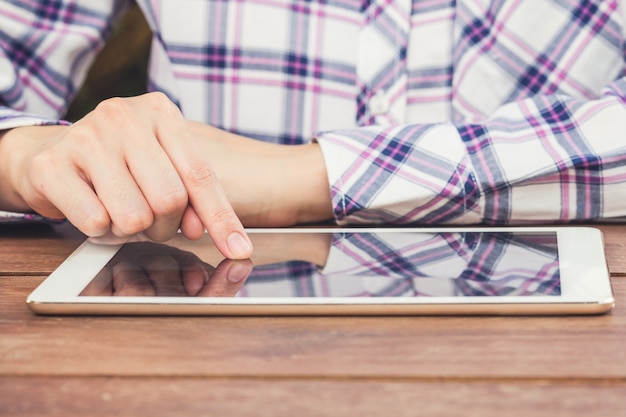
(134, 222)
(223, 215)
(113, 110)
(160, 103)
(82, 138)
(97, 224)
(172, 203)
(200, 175)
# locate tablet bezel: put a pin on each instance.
(585, 286)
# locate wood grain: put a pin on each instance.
(284, 366)
(276, 398)
(36, 249)
(310, 347)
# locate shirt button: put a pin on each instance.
(379, 104)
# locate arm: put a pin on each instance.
(45, 52)
(268, 184)
(541, 159)
(129, 166)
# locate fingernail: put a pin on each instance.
(239, 246)
(239, 271)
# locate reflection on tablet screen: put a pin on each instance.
(382, 264)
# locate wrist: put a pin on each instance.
(15, 146)
(268, 184)
(10, 199)
(308, 191)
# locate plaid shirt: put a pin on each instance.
(430, 111)
(418, 264)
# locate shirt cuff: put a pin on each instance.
(10, 217)
(11, 118)
(400, 174)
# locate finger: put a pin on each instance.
(72, 196)
(95, 145)
(194, 278)
(212, 207)
(129, 211)
(194, 272)
(204, 192)
(160, 185)
(106, 171)
(227, 279)
(126, 166)
(191, 225)
(129, 280)
(164, 273)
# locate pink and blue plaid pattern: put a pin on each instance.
(429, 111)
(418, 264)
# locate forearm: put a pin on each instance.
(268, 184)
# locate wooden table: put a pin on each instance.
(300, 366)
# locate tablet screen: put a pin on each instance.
(354, 264)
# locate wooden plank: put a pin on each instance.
(275, 398)
(310, 347)
(36, 249)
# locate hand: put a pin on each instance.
(268, 184)
(153, 269)
(269, 248)
(183, 267)
(131, 165)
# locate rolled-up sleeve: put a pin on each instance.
(543, 158)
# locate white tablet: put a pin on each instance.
(382, 271)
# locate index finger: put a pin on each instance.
(211, 205)
(206, 196)
(227, 279)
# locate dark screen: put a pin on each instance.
(395, 264)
